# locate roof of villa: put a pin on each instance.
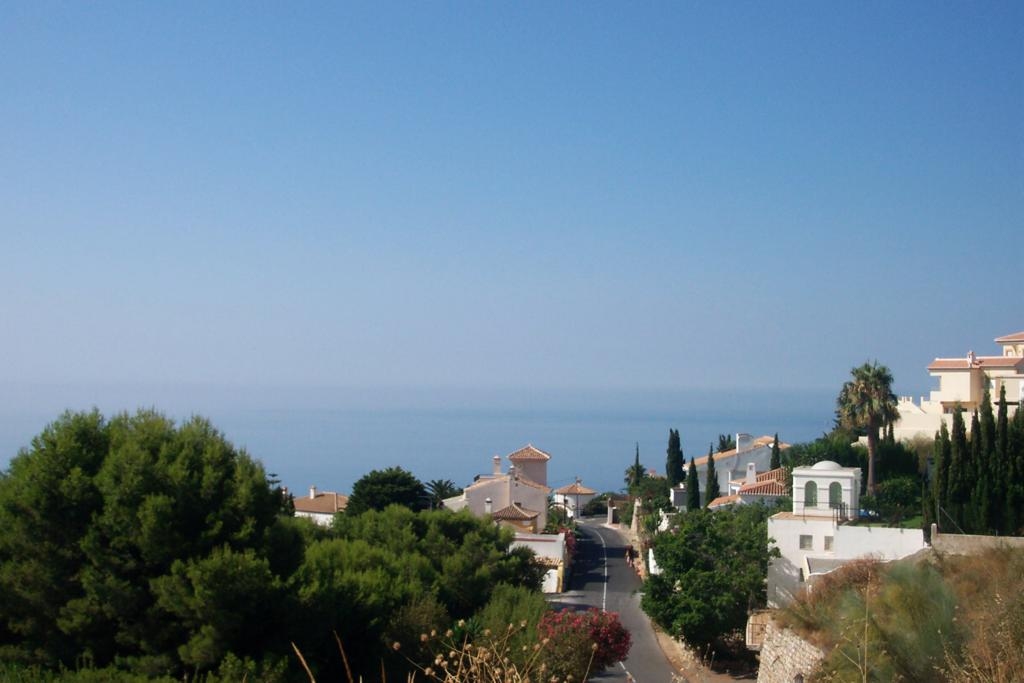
(1010, 338)
(514, 513)
(764, 488)
(325, 503)
(723, 500)
(529, 452)
(770, 483)
(983, 362)
(490, 479)
(732, 452)
(575, 488)
(778, 474)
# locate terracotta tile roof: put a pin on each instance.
(983, 362)
(526, 481)
(778, 474)
(723, 500)
(529, 452)
(575, 488)
(764, 488)
(514, 513)
(325, 503)
(759, 441)
(1011, 338)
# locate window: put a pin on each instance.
(811, 495)
(806, 542)
(828, 542)
(835, 495)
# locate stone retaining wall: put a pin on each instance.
(785, 656)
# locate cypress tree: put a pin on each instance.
(674, 461)
(776, 461)
(692, 488)
(1015, 460)
(940, 489)
(990, 467)
(979, 503)
(958, 484)
(711, 488)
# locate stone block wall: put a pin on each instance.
(786, 657)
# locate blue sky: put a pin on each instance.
(673, 195)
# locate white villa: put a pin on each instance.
(732, 467)
(574, 497)
(517, 498)
(963, 380)
(320, 506)
(816, 537)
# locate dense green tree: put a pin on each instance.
(692, 488)
(726, 442)
(776, 461)
(96, 517)
(381, 488)
(712, 573)
(674, 459)
(712, 489)
(867, 402)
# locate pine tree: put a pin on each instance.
(674, 461)
(711, 487)
(692, 488)
(776, 461)
(940, 489)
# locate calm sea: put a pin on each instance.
(330, 438)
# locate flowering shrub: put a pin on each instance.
(604, 634)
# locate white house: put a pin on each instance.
(552, 552)
(320, 506)
(817, 536)
(731, 465)
(963, 381)
(517, 498)
(574, 497)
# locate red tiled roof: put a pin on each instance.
(764, 488)
(529, 452)
(1010, 338)
(575, 488)
(723, 500)
(778, 474)
(325, 503)
(983, 362)
(514, 513)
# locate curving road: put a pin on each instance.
(602, 579)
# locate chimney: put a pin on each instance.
(751, 474)
(312, 492)
(497, 465)
(487, 506)
(744, 442)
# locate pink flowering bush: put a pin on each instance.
(598, 636)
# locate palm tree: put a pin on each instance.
(439, 489)
(867, 402)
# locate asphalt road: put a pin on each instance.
(602, 579)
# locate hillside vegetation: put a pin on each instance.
(946, 618)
